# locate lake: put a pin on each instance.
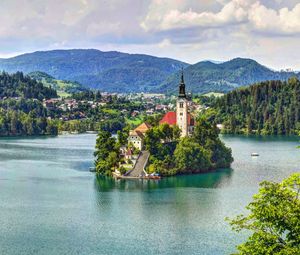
(51, 204)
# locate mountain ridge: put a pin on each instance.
(110, 71)
(115, 71)
(206, 76)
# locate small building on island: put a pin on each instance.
(182, 116)
(136, 136)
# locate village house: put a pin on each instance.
(136, 136)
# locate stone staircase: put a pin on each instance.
(139, 167)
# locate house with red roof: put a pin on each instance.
(136, 136)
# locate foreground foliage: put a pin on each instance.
(274, 219)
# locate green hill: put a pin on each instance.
(21, 86)
(122, 72)
(271, 107)
(108, 71)
(63, 88)
(206, 76)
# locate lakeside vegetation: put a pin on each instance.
(21, 109)
(266, 108)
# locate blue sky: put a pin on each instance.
(189, 30)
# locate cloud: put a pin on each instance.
(283, 21)
(189, 30)
(232, 12)
(235, 12)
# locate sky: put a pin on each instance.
(189, 30)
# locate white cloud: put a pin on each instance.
(189, 30)
(164, 43)
(282, 21)
(234, 12)
(161, 19)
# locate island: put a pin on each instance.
(182, 142)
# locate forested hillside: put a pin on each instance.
(21, 108)
(271, 107)
(108, 71)
(63, 88)
(206, 76)
(18, 85)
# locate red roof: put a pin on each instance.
(170, 118)
(143, 128)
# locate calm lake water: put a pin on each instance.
(51, 204)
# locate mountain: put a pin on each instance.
(207, 76)
(122, 72)
(108, 71)
(64, 88)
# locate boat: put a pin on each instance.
(254, 154)
(92, 169)
(155, 177)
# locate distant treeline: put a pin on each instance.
(271, 108)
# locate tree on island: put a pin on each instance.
(274, 219)
(201, 152)
(190, 156)
(107, 153)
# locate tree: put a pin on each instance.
(205, 130)
(270, 107)
(106, 153)
(274, 219)
(191, 156)
(123, 136)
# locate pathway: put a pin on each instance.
(139, 167)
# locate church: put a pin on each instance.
(181, 117)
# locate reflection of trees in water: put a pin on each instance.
(208, 180)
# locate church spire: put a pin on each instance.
(182, 86)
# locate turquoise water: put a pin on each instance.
(51, 204)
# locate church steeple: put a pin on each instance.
(182, 87)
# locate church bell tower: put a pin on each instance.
(182, 109)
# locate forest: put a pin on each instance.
(21, 109)
(266, 108)
(19, 85)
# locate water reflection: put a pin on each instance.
(220, 178)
